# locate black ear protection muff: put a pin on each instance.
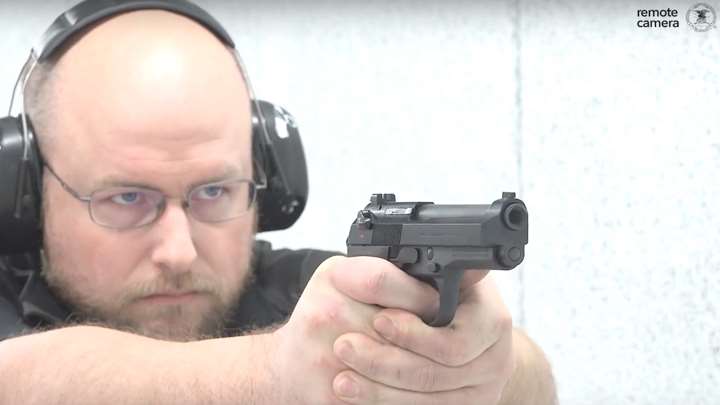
(277, 150)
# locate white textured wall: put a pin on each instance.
(610, 133)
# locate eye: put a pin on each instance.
(128, 198)
(210, 192)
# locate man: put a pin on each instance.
(144, 125)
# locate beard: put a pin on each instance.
(177, 322)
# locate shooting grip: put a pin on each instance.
(437, 267)
(442, 268)
(437, 243)
(446, 280)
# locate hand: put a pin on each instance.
(301, 358)
(467, 362)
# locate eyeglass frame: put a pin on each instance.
(255, 187)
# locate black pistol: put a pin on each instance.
(437, 243)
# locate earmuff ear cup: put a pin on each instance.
(20, 190)
(277, 140)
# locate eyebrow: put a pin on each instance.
(227, 172)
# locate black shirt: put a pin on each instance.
(279, 278)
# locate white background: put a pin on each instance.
(608, 132)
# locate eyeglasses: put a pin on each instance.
(132, 207)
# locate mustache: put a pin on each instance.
(185, 282)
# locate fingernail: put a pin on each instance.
(347, 387)
(345, 350)
(385, 327)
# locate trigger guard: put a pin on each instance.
(449, 290)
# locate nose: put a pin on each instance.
(174, 250)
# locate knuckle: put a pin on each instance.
(328, 265)
(331, 313)
(375, 282)
(314, 321)
(324, 362)
(323, 273)
(374, 366)
(402, 335)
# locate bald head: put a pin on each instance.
(149, 64)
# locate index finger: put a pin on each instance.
(376, 281)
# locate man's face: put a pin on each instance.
(147, 99)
